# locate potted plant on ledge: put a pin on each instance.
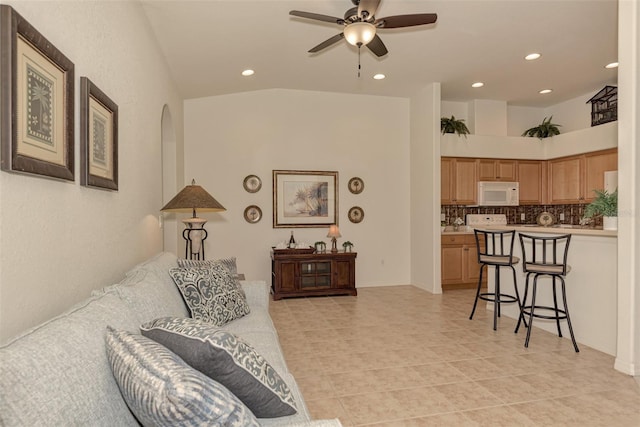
(605, 204)
(544, 130)
(453, 125)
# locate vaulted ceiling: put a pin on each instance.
(208, 43)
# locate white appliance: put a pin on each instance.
(495, 193)
(484, 220)
(610, 181)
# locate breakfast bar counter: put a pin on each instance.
(591, 284)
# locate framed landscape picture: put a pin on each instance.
(98, 138)
(36, 101)
(304, 198)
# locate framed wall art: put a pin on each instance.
(98, 138)
(253, 214)
(36, 101)
(252, 183)
(304, 198)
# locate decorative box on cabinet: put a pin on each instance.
(459, 264)
(312, 274)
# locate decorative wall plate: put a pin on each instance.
(252, 183)
(356, 214)
(252, 214)
(356, 185)
(546, 219)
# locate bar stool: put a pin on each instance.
(495, 248)
(545, 256)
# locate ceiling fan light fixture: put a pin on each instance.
(359, 33)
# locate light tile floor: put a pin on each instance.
(400, 356)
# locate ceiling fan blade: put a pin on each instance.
(325, 44)
(369, 7)
(317, 17)
(400, 21)
(377, 47)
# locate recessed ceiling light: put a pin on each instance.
(248, 73)
(477, 84)
(532, 56)
(379, 76)
(543, 91)
(612, 65)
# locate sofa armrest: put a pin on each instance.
(257, 292)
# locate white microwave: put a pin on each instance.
(495, 193)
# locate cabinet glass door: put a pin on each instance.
(315, 274)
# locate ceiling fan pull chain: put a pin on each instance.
(359, 67)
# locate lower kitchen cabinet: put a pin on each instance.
(295, 274)
(459, 264)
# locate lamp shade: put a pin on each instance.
(359, 33)
(334, 232)
(193, 197)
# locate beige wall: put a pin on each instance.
(231, 136)
(60, 240)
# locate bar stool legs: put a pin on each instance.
(497, 297)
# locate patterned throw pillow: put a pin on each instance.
(162, 390)
(211, 293)
(227, 359)
(230, 263)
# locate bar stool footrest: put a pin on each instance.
(502, 298)
(526, 310)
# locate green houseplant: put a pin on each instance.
(453, 125)
(545, 129)
(605, 204)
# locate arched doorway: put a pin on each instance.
(169, 178)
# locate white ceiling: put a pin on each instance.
(207, 43)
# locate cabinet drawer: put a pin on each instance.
(457, 239)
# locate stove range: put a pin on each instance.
(480, 220)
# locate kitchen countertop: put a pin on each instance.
(534, 228)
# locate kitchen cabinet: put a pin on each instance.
(459, 178)
(531, 176)
(459, 262)
(572, 179)
(497, 170)
(595, 165)
(295, 273)
(565, 180)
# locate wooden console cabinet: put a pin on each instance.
(295, 274)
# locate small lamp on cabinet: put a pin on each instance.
(334, 233)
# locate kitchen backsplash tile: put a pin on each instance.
(572, 213)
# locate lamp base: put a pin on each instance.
(195, 235)
(334, 245)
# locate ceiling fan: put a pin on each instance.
(360, 25)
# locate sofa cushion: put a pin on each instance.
(162, 390)
(228, 359)
(57, 374)
(211, 293)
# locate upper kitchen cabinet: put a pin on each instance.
(497, 170)
(565, 180)
(572, 179)
(596, 164)
(458, 184)
(532, 177)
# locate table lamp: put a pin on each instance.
(334, 233)
(193, 197)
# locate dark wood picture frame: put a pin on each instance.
(36, 101)
(98, 138)
(305, 198)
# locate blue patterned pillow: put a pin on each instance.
(211, 293)
(227, 359)
(162, 390)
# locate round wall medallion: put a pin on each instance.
(252, 214)
(252, 183)
(356, 185)
(356, 214)
(546, 219)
